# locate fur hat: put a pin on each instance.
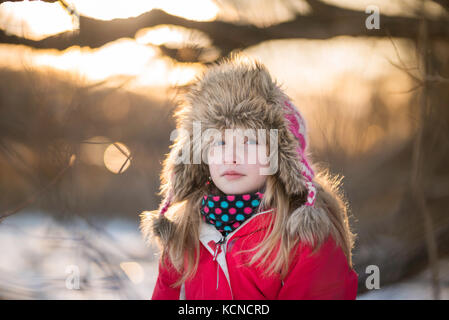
(239, 92)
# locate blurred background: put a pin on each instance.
(87, 89)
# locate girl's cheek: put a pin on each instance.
(257, 154)
(251, 155)
(214, 157)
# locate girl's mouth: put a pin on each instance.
(232, 175)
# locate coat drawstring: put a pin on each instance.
(218, 275)
(216, 252)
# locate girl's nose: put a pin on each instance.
(231, 154)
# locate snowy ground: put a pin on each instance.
(43, 259)
(416, 288)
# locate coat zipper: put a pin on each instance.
(217, 249)
(224, 240)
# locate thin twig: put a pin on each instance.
(416, 178)
(38, 193)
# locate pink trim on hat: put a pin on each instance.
(167, 202)
(297, 127)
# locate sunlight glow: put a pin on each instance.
(121, 57)
(337, 82)
(37, 20)
(34, 20)
(172, 36)
(200, 10)
(93, 150)
(122, 62)
(182, 74)
(115, 157)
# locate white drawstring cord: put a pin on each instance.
(217, 276)
(217, 248)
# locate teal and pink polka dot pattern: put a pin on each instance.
(228, 212)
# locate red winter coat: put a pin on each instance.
(323, 275)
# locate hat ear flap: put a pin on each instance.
(154, 225)
(179, 179)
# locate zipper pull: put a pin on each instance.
(218, 247)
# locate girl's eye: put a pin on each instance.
(251, 141)
(219, 143)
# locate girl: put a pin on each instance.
(231, 228)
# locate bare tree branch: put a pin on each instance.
(326, 21)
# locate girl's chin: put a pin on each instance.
(234, 187)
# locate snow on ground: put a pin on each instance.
(416, 288)
(41, 258)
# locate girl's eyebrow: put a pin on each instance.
(246, 138)
(245, 135)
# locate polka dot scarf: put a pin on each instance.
(228, 212)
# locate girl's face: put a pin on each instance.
(236, 163)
